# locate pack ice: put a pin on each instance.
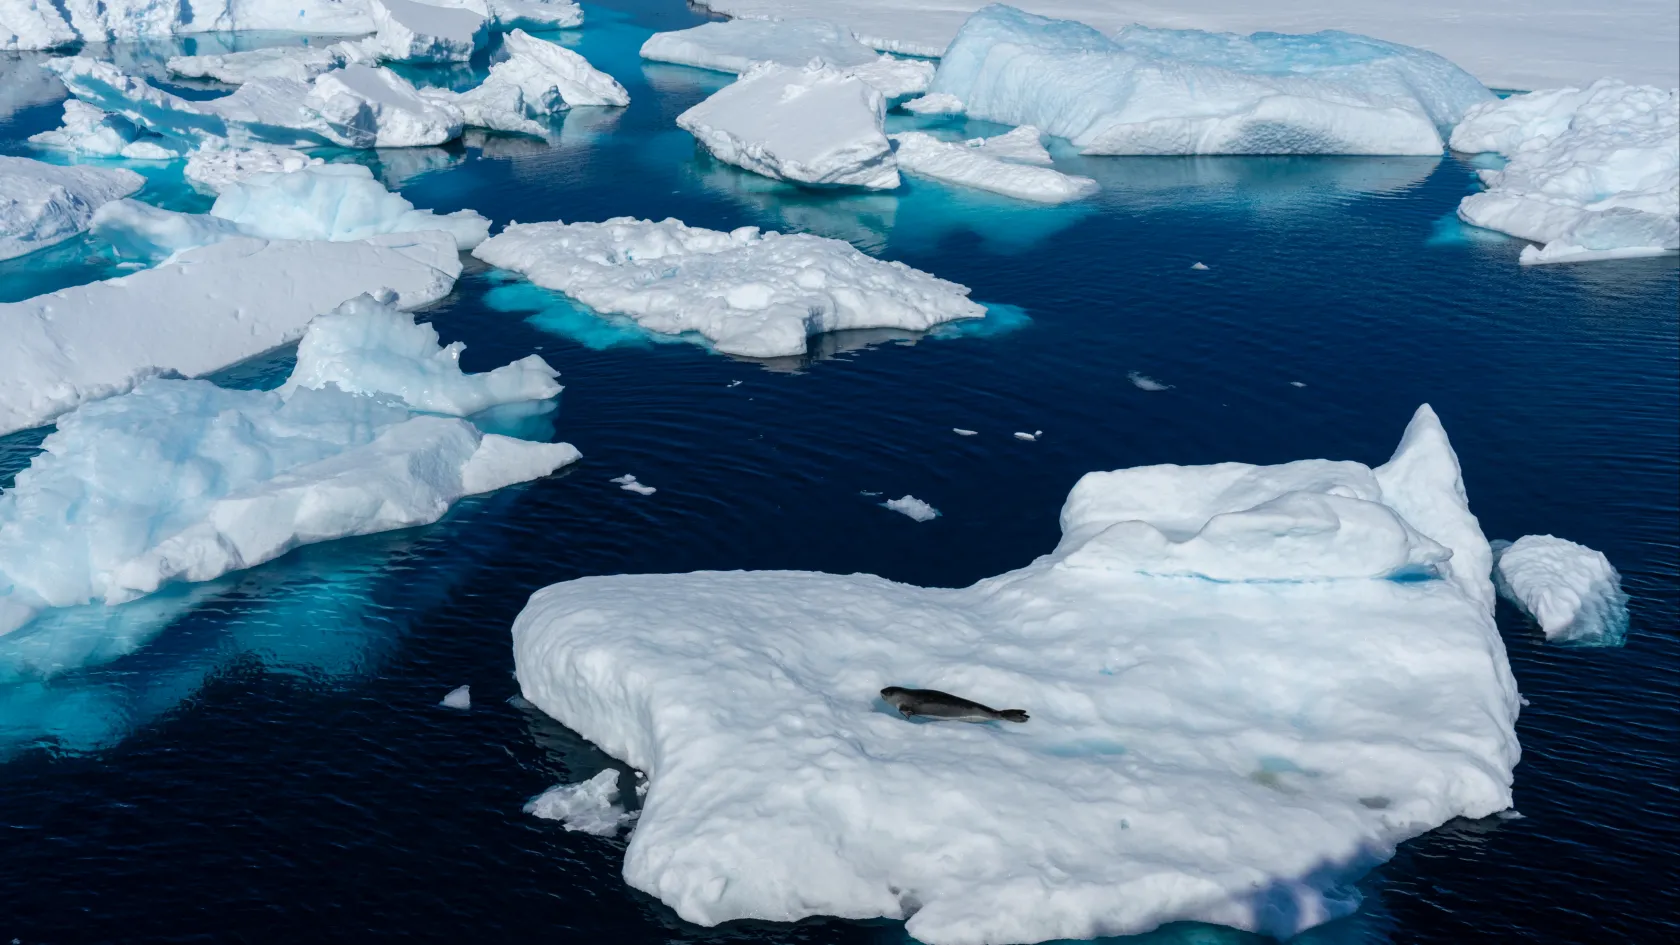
(1154, 91)
(737, 45)
(44, 204)
(811, 125)
(753, 294)
(1592, 173)
(1008, 164)
(1569, 589)
(228, 301)
(181, 480)
(1247, 685)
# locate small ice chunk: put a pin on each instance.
(44, 204)
(587, 806)
(913, 507)
(1145, 382)
(935, 103)
(628, 483)
(1029, 437)
(972, 165)
(458, 698)
(1296, 384)
(375, 99)
(1200, 267)
(733, 384)
(961, 432)
(297, 63)
(1569, 589)
(535, 14)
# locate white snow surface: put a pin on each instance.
(458, 698)
(216, 165)
(588, 806)
(227, 302)
(95, 132)
(1234, 751)
(1591, 173)
(297, 63)
(811, 125)
(936, 103)
(1509, 44)
(913, 507)
(749, 293)
(1149, 91)
(538, 80)
(45, 204)
(412, 31)
(737, 45)
(972, 164)
(181, 480)
(1569, 589)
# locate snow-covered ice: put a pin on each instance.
(181, 480)
(535, 14)
(588, 806)
(1144, 382)
(913, 507)
(216, 164)
(961, 432)
(44, 204)
(1569, 589)
(750, 293)
(1199, 267)
(736, 45)
(935, 103)
(629, 483)
(297, 63)
(97, 133)
(973, 164)
(458, 698)
(1592, 173)
(1235, 751)
(1149, 91)
(1022, 145)
(227, 302)
(811, 125)
(538, 80)
(412, 31)
(1028, 437)
(377, 99)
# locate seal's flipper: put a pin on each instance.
(1012, 715)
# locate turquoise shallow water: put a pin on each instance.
(263, 758)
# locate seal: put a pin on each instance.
(942, 705)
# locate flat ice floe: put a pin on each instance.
(1569, 589)
(812, 125)
(227, 302)
(1149, 91)
(737, 45)
(999, 170)
(1591, 173)
(1235, 750)
(749, 293)
(44, 204)
(181, 480)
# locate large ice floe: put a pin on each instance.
(1569, 589)
(181, 480)
(1247, 684)
(737, 45)
(226, 302)
(1152, 91)
(1009, 164)
(44, 204)
(749, 293)
(1591, 173)
(811, 125)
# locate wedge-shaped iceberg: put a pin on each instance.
(752, 294)
(226, 302)
(1592, 173)
(537, 81)
(1232, 752)
(1149, 91)
(737, 45)
(813, 125)
(1569, 589)
(181, 480)
(43, 204)
(972, 164)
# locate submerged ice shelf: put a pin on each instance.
(1265, 738)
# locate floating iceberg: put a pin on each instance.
(1569, 589)
(181, 480)
(1236, 752)
(537, 81)
(411, 31)
(913, 507)
(43, 204)
(589, 806)
(227, 302)
(458, 698)
(753, 294)
(1592, 173)
(813, 125)
(92, 131)
(1151, 91)
(979, 165)
(737, 45)
(216, 164)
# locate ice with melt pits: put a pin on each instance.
(1152, 91)
(1236, 751)
(913, 508)
(44, 204)
(1590, 173)
(753, 294)
(994, 165)
(1569, 589)
(587, 807)
(458, 698)
(737, 45)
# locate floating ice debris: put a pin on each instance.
(1512, 814)
(537, 81)
(216, 164)
(44, 204)
(588, 806)
(961, 432)
(1029, 437)
(749, 293)
(1591, 173)
(641, 784)
(1569, 589)
(913, 507)
(737, 45)
(1296, 384)
(1199, 266)
(811, 125)
(935, 103)
(973, 165)
(1156, 91)
(227, 302)
(893, 77)
(97, 133)
(458, 698)
(1145, 382)
(628, 483)
(1340, 689)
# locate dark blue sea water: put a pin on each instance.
(273, 766)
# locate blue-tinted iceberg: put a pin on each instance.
(44, 204)
(1149, 91)
(1569, 589)
(1236, 751)
(1011, 164)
